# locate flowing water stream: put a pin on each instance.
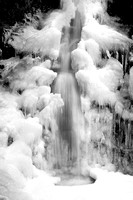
(70, 120)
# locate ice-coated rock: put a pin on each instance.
(30, 99)
(43, 101)
(93, 50)
(40, 76)
(27, 130)
(95, 89)
(81, 59)
(105, 36)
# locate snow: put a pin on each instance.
(27, 118)
(29, 103)
(22, 162)
(31, 99)
(19, 147)
(40, 76)
(61, 18)
(3, 139)
(105, 36)
(13, 172)
(81, 59)
(46, 64)
(28, 130)
(85, 104)
(109, 185)
(92, 9)
(111, 74)
(96, 81)
(43, 101)
(93, 50)
(45, 41)
(47, 115)
(95, 89)
(9, 109)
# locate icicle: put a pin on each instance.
(117, 55)
(125, 61)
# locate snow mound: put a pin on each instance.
(95, 89)
(40, 76)
(27, 130)
(106, 37)
(81, 59)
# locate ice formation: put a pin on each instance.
(88, 85)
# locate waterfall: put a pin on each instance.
(69, 118)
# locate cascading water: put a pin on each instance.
(69, 118)
(66, 130)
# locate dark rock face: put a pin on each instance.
(121, 9)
